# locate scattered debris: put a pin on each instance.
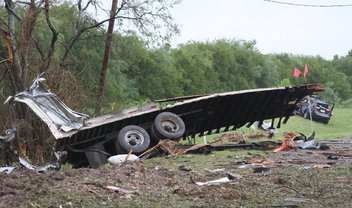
(249, 166)
(266, 126)
(9, 135)
(7, 170)
(300, 200)
(218, 170)
(214, 182)
(291, 141)
(54, 165)
(261, 169)
(322, 166)
(233, 176)
(260, 160)
(311, 145)
(126, 193)
(183, 168)
(330, 157)
(287, 143)
(120, 159)
(173, 148)
(26, 164)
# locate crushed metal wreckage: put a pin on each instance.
(173, 148)
(291, 141)
(93, 140)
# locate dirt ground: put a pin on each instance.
(301, 178)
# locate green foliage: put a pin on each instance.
(347, 103)
(269, 74)
(138, 74)
(66, 166)
(285, 82)
(195, 63)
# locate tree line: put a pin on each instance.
(139, 73)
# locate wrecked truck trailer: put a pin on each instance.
(137, 129)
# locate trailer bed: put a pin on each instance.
(203, 114)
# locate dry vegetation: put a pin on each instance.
(158, 182)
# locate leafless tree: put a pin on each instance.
(150, 17)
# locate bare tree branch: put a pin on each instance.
(39, 48)
(53, 38)
(27, 28)
(87, 5)
(3, 61)
(77, 35)
(9, 7)
(23, 2)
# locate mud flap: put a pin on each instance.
(96, 155)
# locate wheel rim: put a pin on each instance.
(134, 138)
(170, 125)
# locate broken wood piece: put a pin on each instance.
(129, 153)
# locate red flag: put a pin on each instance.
(305, 70)
(296, 72)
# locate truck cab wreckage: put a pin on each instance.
(135, 130)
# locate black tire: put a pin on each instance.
(133, 138)
(168, 126)
(325, 121)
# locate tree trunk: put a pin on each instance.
(104, 66)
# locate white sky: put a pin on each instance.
(276, 28)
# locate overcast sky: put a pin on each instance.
(276, 28)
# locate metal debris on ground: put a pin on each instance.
(310, 145)
(214, 171)
(292, 141)
(261, 169)
(9, 135)
(300, 200)
(173, 148)
(231, 178)
(54, 165)
(7, 170)
(215, 182)
(267, 126)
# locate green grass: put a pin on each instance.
(340, 125)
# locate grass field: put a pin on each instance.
(340, 125)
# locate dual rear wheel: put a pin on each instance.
(165, 126)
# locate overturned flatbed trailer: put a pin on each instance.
(136, 129)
